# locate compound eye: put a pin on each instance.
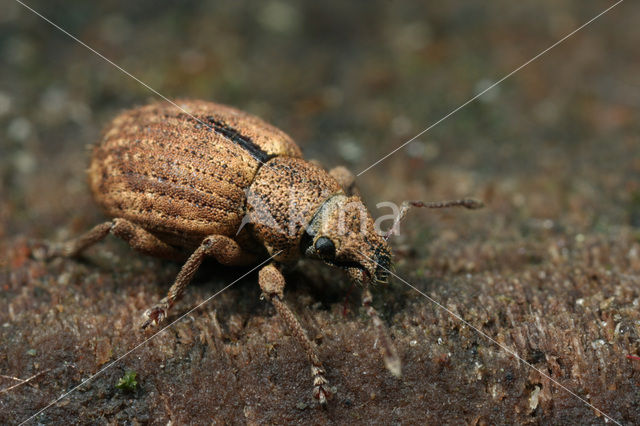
(325, 248)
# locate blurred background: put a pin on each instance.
(554, 151)
(349, 82)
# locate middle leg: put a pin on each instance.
(224, 249)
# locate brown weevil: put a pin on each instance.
(205, 179)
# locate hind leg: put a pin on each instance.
(137, 237)
(224, 249)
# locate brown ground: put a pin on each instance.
(550, 269)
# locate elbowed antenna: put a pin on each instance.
(468, 203)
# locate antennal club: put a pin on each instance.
(468, 203)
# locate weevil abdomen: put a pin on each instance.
(183, 176)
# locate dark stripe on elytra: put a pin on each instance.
(244, 142)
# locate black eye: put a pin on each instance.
(325, 248)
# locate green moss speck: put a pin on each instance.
(128, 382)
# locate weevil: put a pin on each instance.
(207, 180)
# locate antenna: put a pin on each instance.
(468, 203)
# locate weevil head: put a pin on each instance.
(342, 234)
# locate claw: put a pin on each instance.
(154, 316)
(320, 385)
(322, 394)
(42, 251)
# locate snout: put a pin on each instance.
(374, 267)
(382, 259)
(383, 264)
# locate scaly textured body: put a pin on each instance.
(179, 179)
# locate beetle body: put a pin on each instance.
(198, 179)
(186, 174)
(181, 180)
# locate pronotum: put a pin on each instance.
(207, 180)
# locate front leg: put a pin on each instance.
(346, 179)
(272, 284)
(224, 249)
(387, 348)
